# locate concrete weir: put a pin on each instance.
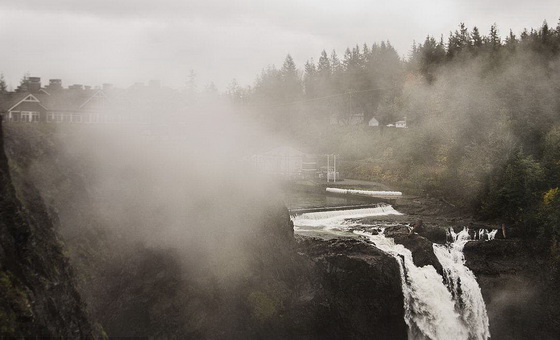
(367, 193)
(299, 211)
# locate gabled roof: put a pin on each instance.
(69, 100)
(98, 94)
(10, 100)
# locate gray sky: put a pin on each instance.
(122, 42)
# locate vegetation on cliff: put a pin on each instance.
(38, 296)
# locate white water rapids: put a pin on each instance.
(435, 307)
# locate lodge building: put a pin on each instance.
(32, 103)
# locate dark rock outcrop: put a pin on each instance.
(435, 234)
(37, 285)
(361, 295)
(520, 283)
(421, 248)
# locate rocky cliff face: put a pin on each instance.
(359, 293)
(520, 283)
(238, 272)
(37, 286)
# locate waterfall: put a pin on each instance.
(436, 307)
(462, 282)
(430, 310)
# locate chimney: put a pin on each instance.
(54, 84)
(34, 84)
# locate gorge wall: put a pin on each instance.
(38, 296)
(219, 263)
(520, 282)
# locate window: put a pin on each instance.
(35, 116)
(76, 118)
(50, 117)
(58, 117)
(25, 116)
(14, 116)
(67, 118)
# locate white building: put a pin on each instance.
(401, 124)
(373, 122)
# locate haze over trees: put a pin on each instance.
(483, 112)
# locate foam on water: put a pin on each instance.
(338, 218)
(462, 283)
(429, 306)
(435, 308)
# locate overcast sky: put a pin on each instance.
(125, 41)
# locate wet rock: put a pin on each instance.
(421, 248)
(360, 295)
(393, 231)
(433, 233)
(520, 283)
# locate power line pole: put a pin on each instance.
(328, 167)
(334, 161)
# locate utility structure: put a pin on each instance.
(331, 173)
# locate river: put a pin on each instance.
(436, 307)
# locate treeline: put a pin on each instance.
(503, 143)
(334, 86)
(483, 112)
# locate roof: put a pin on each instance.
(69, 99)
(9, 100)
(131, 101)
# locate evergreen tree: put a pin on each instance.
(324, 66)
(511, 41)
(23, 83)
(3, 86)
(477, 41)
(494, 41)
(310, 79)
(335, 62)
(291, 83)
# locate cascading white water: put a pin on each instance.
(429, 306)
(463, 285)
(433, 310)
(337, 218)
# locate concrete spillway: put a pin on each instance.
(368, 193)
(300, 211)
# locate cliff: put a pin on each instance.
(232, 268)
(520, 283)
(37, 285)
